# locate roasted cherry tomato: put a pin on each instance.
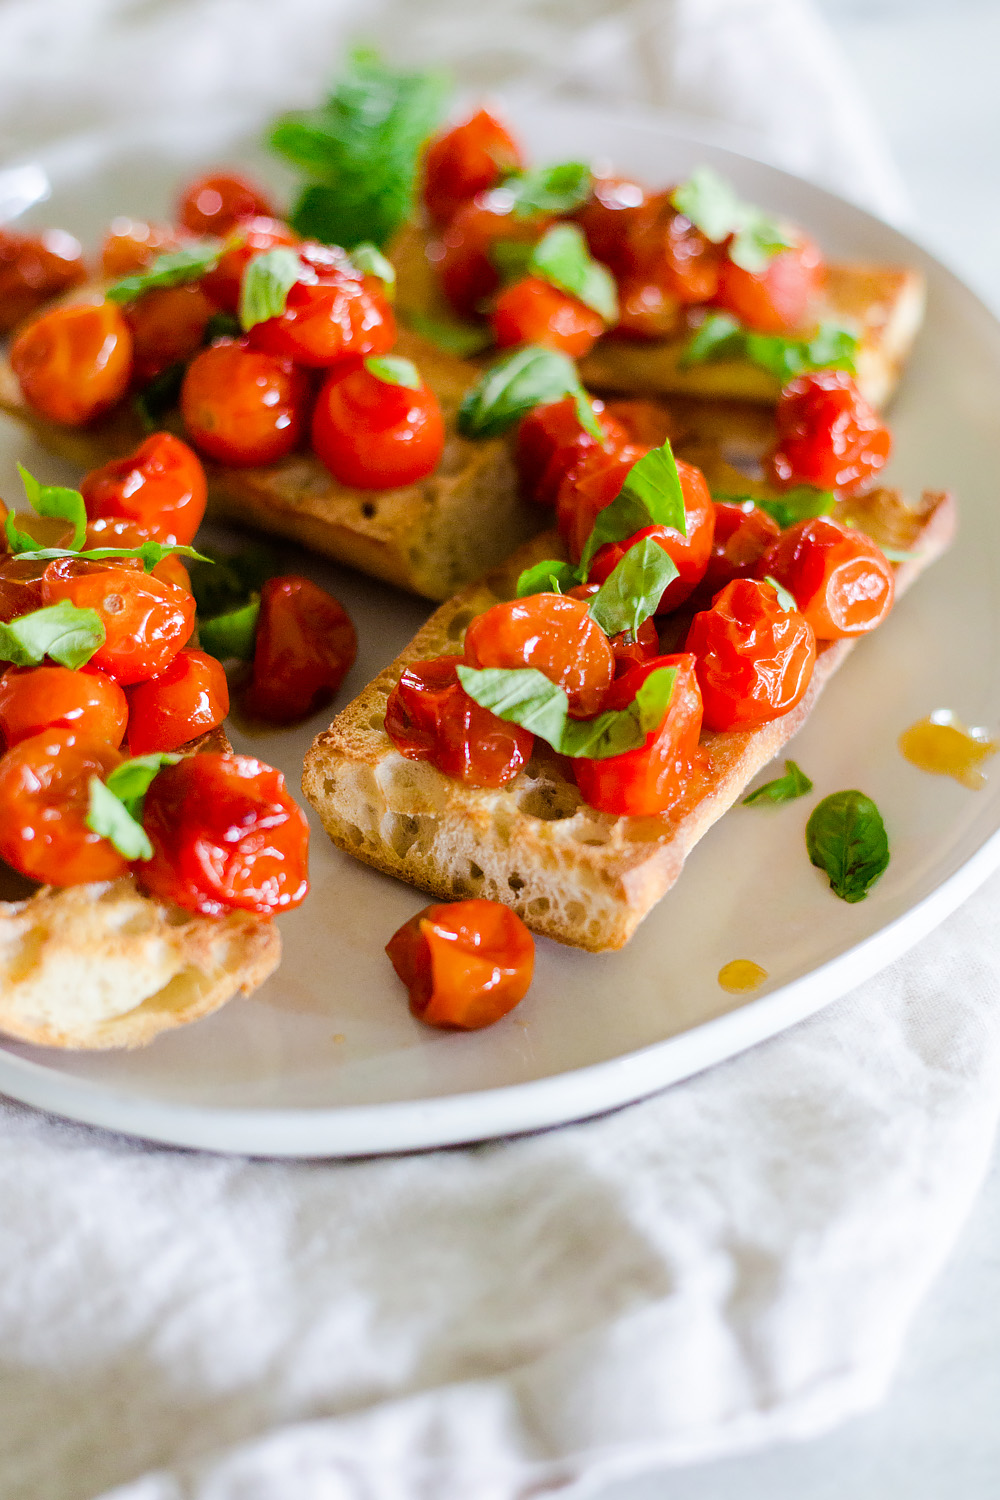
(466, 160)
(225, 834)
(777, 299)
(628, 648)
(551, 442)
(34, 268)
(465, 964)
(590, 485)
(743, 533)
(132, 244)
(689, 553)
(215, 204)
(374, 434)
(44, 801)
(828, 435)
(755, 658)
(841, 581)
(242, 406)
(115, 531)
(468, 276)
(161, 487)
(429, 716)
(533, 311)
(185, 701)
(646, 310)
(647, 423)
(146, 621)
(306, 646)
(608, 218)
(168, 325)
(20, 587)
(330, 315)
(37, 698)
(669, 251)
(649, 779)
(74, 363)
(254, 235)
(555, 635)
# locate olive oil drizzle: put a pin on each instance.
(943, 746)
(741, 975)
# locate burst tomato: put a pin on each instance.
(465, 964)
(305, 647)
(551, 442)
(841, 581)
(646, 310)
(374, 434)
(587, 488)
(555, 635)
(74, 363)
(689, 553)
(743, 533)
(37, 698)
(225, 834)
(668, 251)
(607, 219)
(254, 235)
(34, 268)
(828, 435)
(468, 275)
(44, 800)
(533, 311)
(429, 716)
(242, 406)
(755, 659)
(131, 244)
(146, 620)
(20, 587)
(217, 203)
(161, 487)
(183, 702)
(168, 324)
(777, 299)
(328, 318)
(467, 160)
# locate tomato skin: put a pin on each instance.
(34, 268)
(226, 836)
(777, 299)
(44, 799)
(551, 442)
(841, 581)
(147, 621)
(186, 700)
(222, 284)
(755, 659)
(429, 716)
(552, 633)
(649, 779)
(132, 244)
(742, 535)
(669, 251)
(74, 363)
(242, 406)
(532, 311)
(215, 204)
(466, 160)
(20, 587)
(168, 324)
(374, 435)
(161, 487)
(468, 276)
(465, 963)
(828, 435)
(587, 488)
(306, 646)
(328, 319)
(607, 220)
(646, 310)
(33, 699)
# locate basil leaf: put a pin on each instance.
(549, 576)
(394, 370)
(651, 496)
(897, 555)
(758, 242)
(514, 385)
(785, 599)
(561, 257)
(148, 553)
(450, 335)
(713, 206)
(845, 837)
(587, 417)
(718, 336)
(60, 631)
(511, 258)
(803, 503)
(794, 783)
(547, 190)
(233, 634)
(227, 581)
(153, 402)
(360, 150)
(721, 337)
(267, 280)
(370, 261)
(221, 325)
(173, 268)
(633, 590)
(131, 780)
(112, 820)
(54, 500)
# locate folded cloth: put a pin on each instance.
(730, 1263)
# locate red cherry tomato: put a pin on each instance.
(466, 160)
(114, 531)
(468, 276)
(132, 244)
(306, 646)
(465, 964)
(429, 716)
(777, 299)
(755, 659)
(146, 621)
(216, 203)
(533, 311)
(555, 635)
(587, 488)
(373, 434)
(328, 318)
(743, 533)
(607, 219)
(649, 779)
(647, 423)
(242, 406)
(74, 363)
(842, 582)
(646, 310)
(168, 324)
(187, 700)
(669, 251)
(628, 648)
(37, 698)
(551, 442)
(225, 835)
(828, 435)
(44, 800)
(34, 268)
(161, 487)
(222, 284)
(20, 587)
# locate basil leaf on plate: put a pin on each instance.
(172, 268)
(394, 370)
(228, 581)
(514, 385)
(845, 837)
(633, 590)
(267, 280)
(64, 633)
(794, 783)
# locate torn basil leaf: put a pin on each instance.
(232, 635)
(721, 337)
(394, 370)
(267, 280)
(803, 503)
(172, 268)
(561, 257)
(370, 261)
(148, 553)
(651, 496)
(63, 632)
(47, 500)
(556, 190)
(846, 838)
(794, 783)
(785, 599)
(131, 780)
(514, 385)
(550, 576)
(110, 818)
(227, 580)
(454, 337)
(631, 593)
(713, 206)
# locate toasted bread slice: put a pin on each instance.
(575, 874)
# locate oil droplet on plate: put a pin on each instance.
(741, 975)
(943, 746)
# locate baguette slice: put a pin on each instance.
(577, 875)
(103, 965)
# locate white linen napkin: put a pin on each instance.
(728, 1264)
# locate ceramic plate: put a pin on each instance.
(325, 1059)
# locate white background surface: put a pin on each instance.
(930, 72)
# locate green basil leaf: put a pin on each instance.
(803, 503)
(718, 336)
(511, 259)
(845, 837)
(148, 553)
(758, 242)
(227, 581)
(561, 257)
(267, 280)
(514, 385)
(552, 575)
(713, 206)
(172, 268)
(370, 261)
(152, 403)
(394, 370)
(587, 417)
(721, 337)
(633, 590)
(547, 190)
(233, 634)
(454, 337)
(131, 780)
(112, 820)
(785, 599)
(651, 496)
(54, 500)
(221, 325)
(60, 631)
(794, 783)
